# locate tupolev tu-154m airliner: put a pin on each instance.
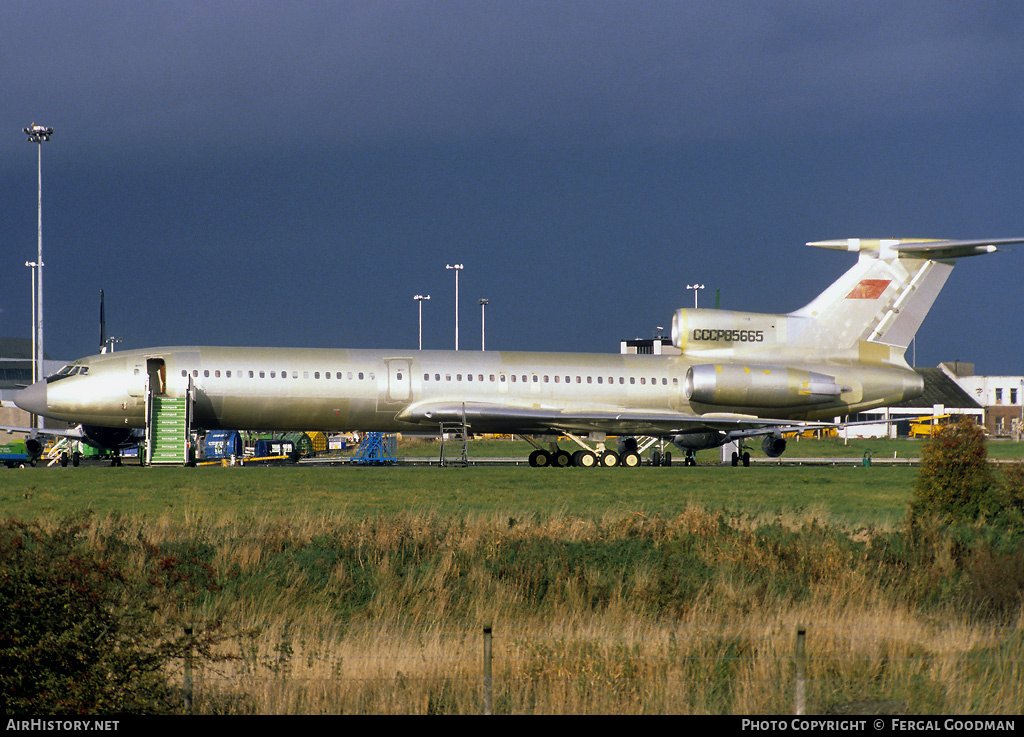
(739, 375)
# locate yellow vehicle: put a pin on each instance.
(923, 427)
(818, 433)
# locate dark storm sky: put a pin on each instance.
(292, 173)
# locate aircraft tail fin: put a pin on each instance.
(884, 297)
(871, 313)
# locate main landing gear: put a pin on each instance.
(627, 456)
(741, 455)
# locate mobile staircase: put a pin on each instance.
(455, 443)
(376, 449)
(168, 423)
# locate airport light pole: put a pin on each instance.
(419, 298)
(32, 265)
(457, 268)
(38, 134)
(483, 323)
(694, 287)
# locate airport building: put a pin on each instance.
(15, 374)
(1002, 398)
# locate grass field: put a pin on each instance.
(649, 590)
(849, 496)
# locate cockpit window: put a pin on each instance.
(73, 369)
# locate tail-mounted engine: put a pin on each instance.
(726, 330)
(757, 386)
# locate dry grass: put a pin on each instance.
(625, 614)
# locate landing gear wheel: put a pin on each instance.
(746, 459)
(76, 459)
(539, 459)
(735, 458)
(63, 460)
(666, 460)
(609, 459)
(561, 459)
(655, 457)
(630, 459)
(584, 459)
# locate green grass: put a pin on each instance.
(854, 496)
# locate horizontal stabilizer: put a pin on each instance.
(918, 247)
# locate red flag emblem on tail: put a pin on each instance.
(868, 289)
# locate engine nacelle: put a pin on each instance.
(772, 446)
(757, 386)
(716, 330)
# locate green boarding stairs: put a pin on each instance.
(168, 424)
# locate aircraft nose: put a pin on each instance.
(32, 398)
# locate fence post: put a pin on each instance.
(801, 671)
(188, 669)
(487, 669)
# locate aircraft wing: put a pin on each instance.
(73, 432)
(489, 417)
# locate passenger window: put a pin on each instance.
(360, 375)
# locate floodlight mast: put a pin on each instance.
(419, 298)
(38, 134)
(457, 268)
(483, 323)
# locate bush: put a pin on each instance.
(75, 636)
(956, 483)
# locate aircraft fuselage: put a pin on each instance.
(337, 389)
